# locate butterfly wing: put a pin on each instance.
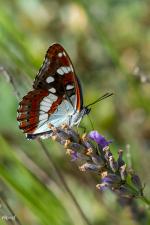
(56, 94)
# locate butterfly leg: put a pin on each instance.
(82, 128)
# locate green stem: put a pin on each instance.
(144, 199)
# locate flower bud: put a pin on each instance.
(102, 187)
(89, 166)
(67, 144)
(125, 192)
(120, 160)
(137, 182)
(107, 153)
(113, 164)
(74, 136)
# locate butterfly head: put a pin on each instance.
(87, 110)
(76, 118)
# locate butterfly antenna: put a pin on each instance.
(106, 95)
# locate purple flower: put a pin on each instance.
(111, 179)
(89, 166)
(99, 139)
(102, 187)
(107, 180)
(74, 156)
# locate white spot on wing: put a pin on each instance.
(47, 104)
(46, 99)
(60, 54)
(44, 108)
(60, 71)
(68, 69)
(52, 97)
(64, 53)
(53, 90)
(65, 69)
(69, 87)
(49, 79)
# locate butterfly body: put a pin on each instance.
(56, 97)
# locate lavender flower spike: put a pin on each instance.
(99, 139)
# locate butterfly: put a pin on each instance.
(56, 98)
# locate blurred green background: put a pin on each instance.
(107, 42)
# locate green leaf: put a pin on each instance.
(47, 208)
